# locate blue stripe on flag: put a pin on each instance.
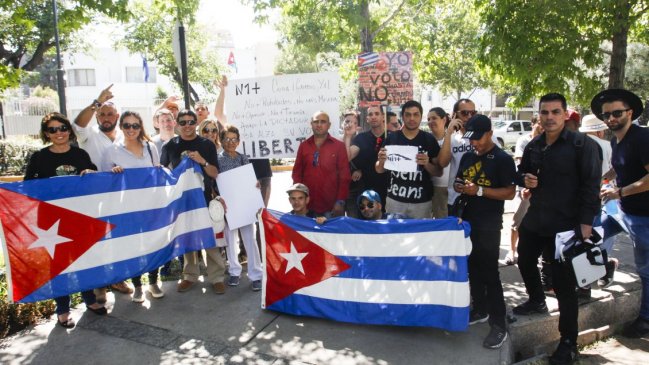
(447, 268)
(428, 315)
(346, 225)
(101, 276)
(95, 183)
(149, 220)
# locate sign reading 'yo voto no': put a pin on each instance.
(384, 78)
(273, 113)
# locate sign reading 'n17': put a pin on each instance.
(384, 78)
(273, 113)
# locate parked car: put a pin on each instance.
(508, 131)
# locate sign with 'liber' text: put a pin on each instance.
(384, 78)
(273, 113)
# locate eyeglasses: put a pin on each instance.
(230, 140)
(468, 113)
(182, 123)
(614, 113)
(61, 128)
(315, 158)
(369, 205)
(135, 126)
(210, 130)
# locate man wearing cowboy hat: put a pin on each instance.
(594, 128)
(630, 145)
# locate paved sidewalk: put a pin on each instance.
(200, 327)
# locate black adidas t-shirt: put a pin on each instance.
(494, 169)
(412, 187)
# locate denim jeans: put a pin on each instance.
(63, 303)
(638, 227)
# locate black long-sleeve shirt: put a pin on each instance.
(569, 182)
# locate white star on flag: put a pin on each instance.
(48, 239)
(294, 259)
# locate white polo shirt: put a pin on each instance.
(94, 141)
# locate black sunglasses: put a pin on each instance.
(466, 113)
(210, 130)
(614, 113)
(363, 206)
(182, 123)
(62, 128)
(134, 126)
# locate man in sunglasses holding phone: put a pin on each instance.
(454, 146)
(563, 170)
(630, 160)
(203, 152)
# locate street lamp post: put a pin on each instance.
(59, 70)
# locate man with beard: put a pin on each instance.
(562, 169)
(363, 150)
(630, 160)
(95, 140)
(411, 193)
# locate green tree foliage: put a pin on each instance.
(150, 34)
(28, 31)
(545, 45)
(444, 40)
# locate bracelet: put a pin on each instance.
(619, 191)
(96, 104)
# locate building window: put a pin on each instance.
(136, 74)
(81, 77)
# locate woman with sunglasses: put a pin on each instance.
(61, 159)
(210, 130)
(136, 150)
(229, 159)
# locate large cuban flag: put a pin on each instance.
(67, 234)
(398, 272)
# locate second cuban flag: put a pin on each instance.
(400, 272)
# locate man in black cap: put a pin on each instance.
(630, 144)
(562, 169)
(486, 176)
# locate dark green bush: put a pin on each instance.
(14, 155)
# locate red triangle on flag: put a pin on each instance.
(317, 263)
(26, 222)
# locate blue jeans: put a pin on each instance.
(63, 303)
(639, 232)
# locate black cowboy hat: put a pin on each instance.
(630, 98)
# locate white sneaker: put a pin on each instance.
(155, 291)
(138, 295)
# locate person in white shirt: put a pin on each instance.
(135, 150)
(438, 119)
(595, 128)
(95, 139)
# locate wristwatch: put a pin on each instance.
(206, 164)
(479, 193)
(96, 104)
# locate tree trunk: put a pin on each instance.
(366, 33)
(618, 55)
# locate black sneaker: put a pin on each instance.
(530, 307)
(477, 317)
(583, 294)
(495, 338)
(607, 279)
(565, 354)
(548, 289)
(639, 328)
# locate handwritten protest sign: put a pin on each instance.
(384, 77)
(273, 113)
(401, 158)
